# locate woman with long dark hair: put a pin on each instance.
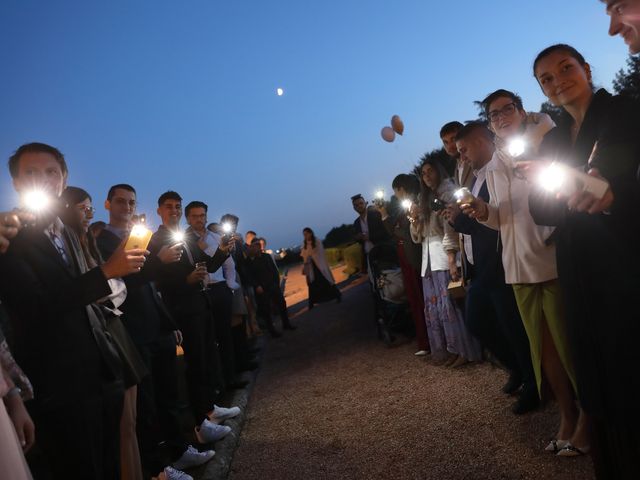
(598, 263)
(322, 286)
(450, 341)
(77, 215)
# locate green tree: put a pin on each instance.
(438, 154)
(627, 81)
(337, 236)
(558, 114)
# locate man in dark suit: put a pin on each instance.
(369, 226)
(265, 279)
(181, 286)
(59, 335)
(155, 335)
(492, 314)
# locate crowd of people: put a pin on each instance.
(91, 320)
(514, 211)
(95, 315)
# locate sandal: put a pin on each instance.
(556, 445)
(571, 451)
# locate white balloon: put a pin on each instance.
(388, 134)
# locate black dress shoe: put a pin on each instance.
(512, 386)
(527, 402)
(288, 326)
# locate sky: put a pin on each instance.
(181, 95)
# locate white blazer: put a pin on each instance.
(525, 255)
(436, 236)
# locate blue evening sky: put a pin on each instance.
(181, 94)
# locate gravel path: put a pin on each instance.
(331, 402)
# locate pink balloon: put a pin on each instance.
(388, 134)
(397, 125)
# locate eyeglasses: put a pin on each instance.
(87, 210)
(507, 110)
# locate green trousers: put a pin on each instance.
(539, 302)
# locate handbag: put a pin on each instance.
(456, 289)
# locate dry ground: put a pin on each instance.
(332, 402)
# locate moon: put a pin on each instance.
(279, 91)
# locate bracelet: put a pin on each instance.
(14, 391)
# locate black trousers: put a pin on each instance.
(221, 299)
(159, 403)
(203, 373)
(272, 296)
(492, 316)
(82, 439)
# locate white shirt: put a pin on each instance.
(481, 176)
(228, 271)
(364, 226)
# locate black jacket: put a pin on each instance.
(598, 258)
(181, 297)
(263, 272)
(144, 314)
(59, 337)
(377, 231)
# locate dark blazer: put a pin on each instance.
(179, 296)
(263, 272)
(144, 314)
(59, 337)
(487, 268)
(377, 231)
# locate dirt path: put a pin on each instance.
(331, 402)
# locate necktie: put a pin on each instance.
(59, 244)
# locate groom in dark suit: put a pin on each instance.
(369, 226)
(492, 314)
(60, 339)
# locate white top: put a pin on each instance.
(318, 256)
(481, 176)
(525, 255)
(364, 225)
(228, 271)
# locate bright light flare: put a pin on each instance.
(380, 194)
(407, 204)
(227, 227)
(552, 178)
(36, 200)
(178, 236)
(517, 146)
(139, 230)
(279, 91)
(463, 195)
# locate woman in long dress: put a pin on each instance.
(450, 341)
(322, 285)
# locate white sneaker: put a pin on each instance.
(421, 353)
(192, 458)
(209, 432)
(219, 414)
(173, 474)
